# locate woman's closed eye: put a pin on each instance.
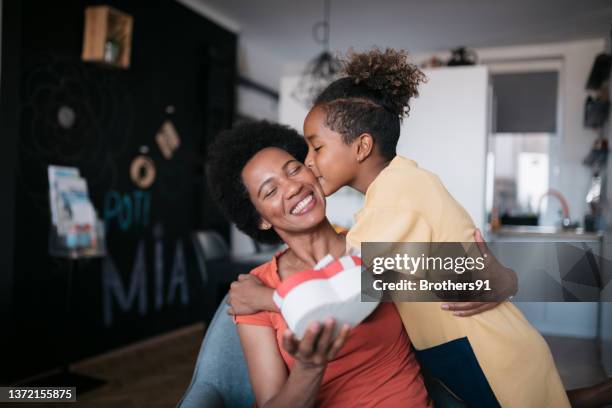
(316, 149)
(270, 192)
(295, 170)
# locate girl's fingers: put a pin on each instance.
(242, 277)
(462, 306)
(483, 308)
(339, 342)
(230, 311)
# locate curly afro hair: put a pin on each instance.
(373, 97)
(228, 155)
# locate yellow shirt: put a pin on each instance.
(408, 204)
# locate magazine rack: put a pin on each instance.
(59, 247)
(72, 255)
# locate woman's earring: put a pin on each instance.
(265, 226)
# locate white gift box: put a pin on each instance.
(331, 289)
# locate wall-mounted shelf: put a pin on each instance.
(107, 37)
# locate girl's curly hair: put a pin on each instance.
(373, 97)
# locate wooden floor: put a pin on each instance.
(155, 373)
(578, 361)
(151, 374)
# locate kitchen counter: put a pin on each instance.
(509, 232)
(554, 318)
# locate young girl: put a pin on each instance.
(492, 359)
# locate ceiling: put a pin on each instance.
(285, 26)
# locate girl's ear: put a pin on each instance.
(364, 146)
(264, 225)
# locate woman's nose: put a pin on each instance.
(293, 187)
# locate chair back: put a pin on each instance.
(220, 378)
(209, 246)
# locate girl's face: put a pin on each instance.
(331, 160)
(284, 192)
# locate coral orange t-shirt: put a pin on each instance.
(375, 368)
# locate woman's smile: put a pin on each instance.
(304, 205)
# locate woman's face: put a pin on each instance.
(284, 192)
(331, 160)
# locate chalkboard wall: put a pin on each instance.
(182, 70)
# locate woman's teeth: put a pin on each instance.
(300, 206)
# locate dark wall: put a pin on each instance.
(149, 283)
(9, 125)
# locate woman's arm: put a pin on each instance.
(272, 385)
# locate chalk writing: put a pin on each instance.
(135, 295)
(129, 209)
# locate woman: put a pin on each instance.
(257, 177)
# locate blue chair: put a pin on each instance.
(221, 378)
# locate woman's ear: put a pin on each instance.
(264, 225)
(364, 145)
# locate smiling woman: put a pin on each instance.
(257, 176)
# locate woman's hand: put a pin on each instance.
(249, 295)
(505, 279)
(318, 346)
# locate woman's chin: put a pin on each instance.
(310, 221)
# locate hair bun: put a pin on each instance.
(387, 72)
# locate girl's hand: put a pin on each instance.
(317, 347)
(247, 295)
(504, 280)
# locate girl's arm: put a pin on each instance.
(249, 295)
(272, 384)
(506, 280)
